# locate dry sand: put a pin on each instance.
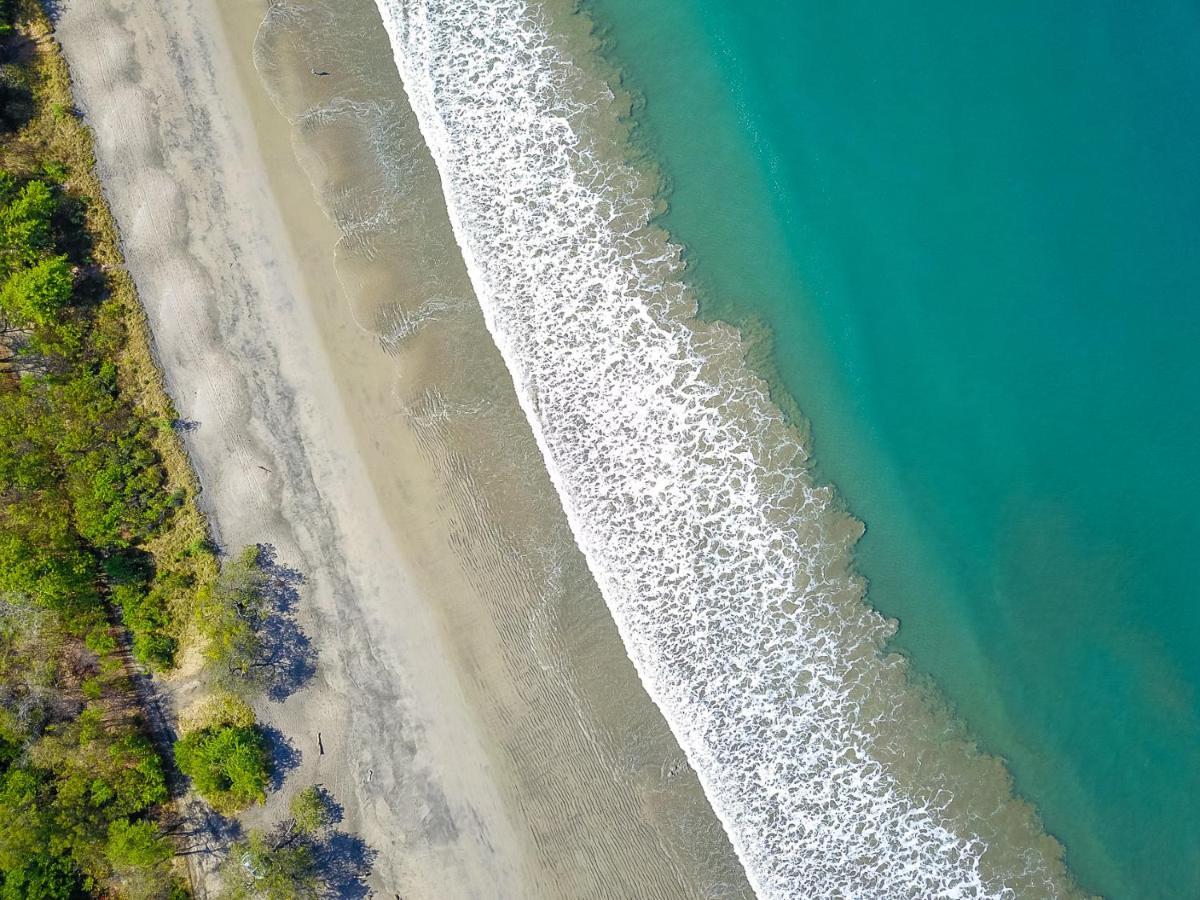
(481, 725)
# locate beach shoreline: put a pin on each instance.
(432, 713)
(221, 288)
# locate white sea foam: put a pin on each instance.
(725, 566)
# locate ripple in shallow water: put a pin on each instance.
(726, 567)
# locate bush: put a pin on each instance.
(256, 869)
(43, 877)
(148, 619)
(92, 688)
(100, 641)
(310, 812)
(60, 805)
(27, 458)
(25, 226)
(228, 765)
(36, 295)
(231, 612)
(42, 558)
(114, 477)
(140, 857)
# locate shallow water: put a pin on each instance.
(974, 235)
(725, 563)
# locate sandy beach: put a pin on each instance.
(478, 718)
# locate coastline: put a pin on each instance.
(587, 223)
(430, 733)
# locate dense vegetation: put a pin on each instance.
(101, 548)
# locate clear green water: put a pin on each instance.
(975, 234)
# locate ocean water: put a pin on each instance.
(974, 235)
(724, 558)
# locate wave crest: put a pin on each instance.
(726, 566)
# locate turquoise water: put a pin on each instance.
(975, 235)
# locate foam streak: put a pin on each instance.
(725, 566)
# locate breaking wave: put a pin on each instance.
(726, 566)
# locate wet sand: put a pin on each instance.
(479, 719)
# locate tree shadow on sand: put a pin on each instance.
(344, 862)
(282, 752)
(337, 864)
(287, 659)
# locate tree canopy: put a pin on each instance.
(225, 754)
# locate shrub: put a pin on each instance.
(148, 619)
(310, 812)
(27, 458)
(231, 612)
(25, 226)
(114, 477)
(255, 869)
(36, 295)
(42, 877)
(58, 806)
(228, 765)
(135, 775)
(42, 558)
(100, 641)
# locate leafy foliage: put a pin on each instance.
(228, 765)
(259, 869)
(148, 619)
(310, 811)
(133, 845)
(224, 753)
(42, 557)
(25, 227)
(36, 294)
(232, 612)
(113, 475)
(83, 783)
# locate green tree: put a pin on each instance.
(231, 613)
(25, 226)
(33, 861)
(41, 556)
(228, 765)
(148, 618)
(113, 475)
(28, 461)
(257, 869)
(37, 294)
(136, 845)
(141, 860)
(43, 877)
(310, 812)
